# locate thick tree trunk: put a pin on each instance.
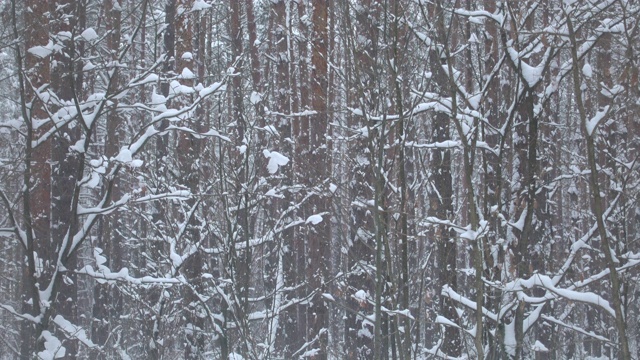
(65, 165)
(597, 205)
(441, 200)
(359, 333)
(37, 174)
(319, 235)
(108, 301)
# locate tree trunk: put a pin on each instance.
(597, 205)
(108, 301)
(319, 235)
(65, 164)
(37, 174)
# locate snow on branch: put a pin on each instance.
(104, 274)
(543, 281)
(576, 328)
(74, 332)
(448, 292)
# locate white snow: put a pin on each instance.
(78, 146)
(95, 180)
(124, 156)
(538, 346)
(151, 78)
(274, 193)
(360, 295)
(175, 88)
(73, 331)
(89, 34)
(104, 275)
(42, 51)
(88, 66)
(275, 160)
(531, 74)
(187, 56)
(444, 321)
(610, 93)
(591, 124)
(447, 144)
(215, 87)
(521, 220)
(328, 297)
(547, 283)
(187, 74)
(255, 98)
(587, 70)
(314, 219)
(200, 5)
(63, 35)
(271, 130)
(53, 347)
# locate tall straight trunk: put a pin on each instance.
(302, 164)
(526, 145)
(545, 226)
(597, 204)
(470, 205)
(441, 206)
(162, 143)
(319, 236)
(237, 113)
(161, 157)
(399, 74)
(188, 152)
(359, 337)
(37, 173)
(108, 301)
(441, 199)
(493, 182)
(256, 77)
(64, 166)
(240, 261)
(281, 254)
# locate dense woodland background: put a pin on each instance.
(269, 179)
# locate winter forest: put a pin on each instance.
(319, 179)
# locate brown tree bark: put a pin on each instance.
(240, 261)
(319, 235)
(441, 197)
(399, 74)
(302, 163)
(188, 155)
(65, 163)
(362, 52)
(597, 204)
(155, 326)
(37, 174)
(108, 301)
